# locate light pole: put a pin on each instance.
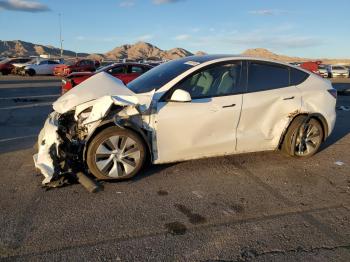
(61, 41)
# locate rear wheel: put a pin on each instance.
(303, 139)
(116, 153)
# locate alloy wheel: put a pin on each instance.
(117, 156)
(308, 139)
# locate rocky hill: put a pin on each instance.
(139, 50)
(264, 53)
(142, 50)
(22, 48)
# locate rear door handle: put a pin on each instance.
(288, 98)
(229, 106)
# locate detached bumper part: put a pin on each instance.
(48, 142)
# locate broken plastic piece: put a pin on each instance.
(88, 183)
(339, 163)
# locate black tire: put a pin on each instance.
(296, 143)
(31, 72)
(118, 165)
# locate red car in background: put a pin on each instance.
(70, 66)
(311, 66)
(6, 65)
(124, 71)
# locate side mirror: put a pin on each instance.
(180, 96)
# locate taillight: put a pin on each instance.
(333, 92)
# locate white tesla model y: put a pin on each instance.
(194, 107)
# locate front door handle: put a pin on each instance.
(232, 105)
(288, 98)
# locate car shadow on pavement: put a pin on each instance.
(147, 171)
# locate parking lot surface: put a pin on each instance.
(252, 207)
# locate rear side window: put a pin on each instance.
(297, 76)
(265, 76)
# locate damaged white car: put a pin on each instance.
(195, 107)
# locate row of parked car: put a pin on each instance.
(73, 71)
(327, 71)
(39, 66)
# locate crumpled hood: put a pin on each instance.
(99, 85)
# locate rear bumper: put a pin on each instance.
(331, 119)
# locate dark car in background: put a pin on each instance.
(75, 65)
(123, 71)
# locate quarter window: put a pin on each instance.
(220, 80)
(297, 76)
(266, 76)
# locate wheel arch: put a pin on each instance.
(319, 117)
(124, 124)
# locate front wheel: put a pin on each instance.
(303, 139)
(116, 153)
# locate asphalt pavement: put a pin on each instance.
(251, 207)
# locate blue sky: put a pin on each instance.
(299, 28)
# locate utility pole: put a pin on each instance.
(61, 41)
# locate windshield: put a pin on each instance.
(158, 76)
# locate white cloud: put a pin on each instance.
(160, 2)
(182, 37)
(23, 5)
(80, 38)
(195, 29)
(267, 12)
(127, 3)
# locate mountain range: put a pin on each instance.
(139, 50)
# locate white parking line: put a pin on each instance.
(27, 97)
(26, 106)
(16, 138)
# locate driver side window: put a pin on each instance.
(219, 80)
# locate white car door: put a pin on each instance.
(40, 69)
(205, 126)
(269, 103)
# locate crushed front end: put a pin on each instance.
(65, 135)
(60, 147)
